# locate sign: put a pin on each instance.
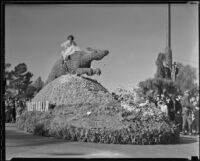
(38, 106)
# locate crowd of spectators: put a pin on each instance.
(182, 110)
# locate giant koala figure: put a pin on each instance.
(78, 63)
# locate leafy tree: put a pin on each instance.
(38, 84)
(19, 79)
(22, 79)
(157, 86)
(20, 69)
(8, 79)
(186, 78)
(30, 91)
(34, 88)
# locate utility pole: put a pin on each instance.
(168, 50)
(169, 27)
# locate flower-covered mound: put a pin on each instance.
(101, 120)
(71, 89)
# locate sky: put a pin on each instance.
(134, 34)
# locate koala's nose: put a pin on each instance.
(106, 52)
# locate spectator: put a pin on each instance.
(177, 105)
(170, 108)
(163, 107)
(186, 113)
(197, 98)
(18, 108)
(161, 104)
(163, 97)
(178, 112)
(150, 101)
(157, 99)
(192, 100)
(8, 111)
(195, 122)
(13, 111)
(21, 106)
(13, 114)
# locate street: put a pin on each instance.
(22, 144)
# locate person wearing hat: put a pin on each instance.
(178, 111)
(170, 108)
(69, 47)
(186, 112)
(177, 105)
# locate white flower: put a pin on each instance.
(89, 112)
(143, 104)
(137, 110)
(145, 113)
(151, 114)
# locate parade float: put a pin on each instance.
(77, 108)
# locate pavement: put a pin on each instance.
(25, 145)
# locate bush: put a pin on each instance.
(69, 124)
(35, 122)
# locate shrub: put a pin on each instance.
(107, 122)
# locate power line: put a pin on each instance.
(185, 60)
